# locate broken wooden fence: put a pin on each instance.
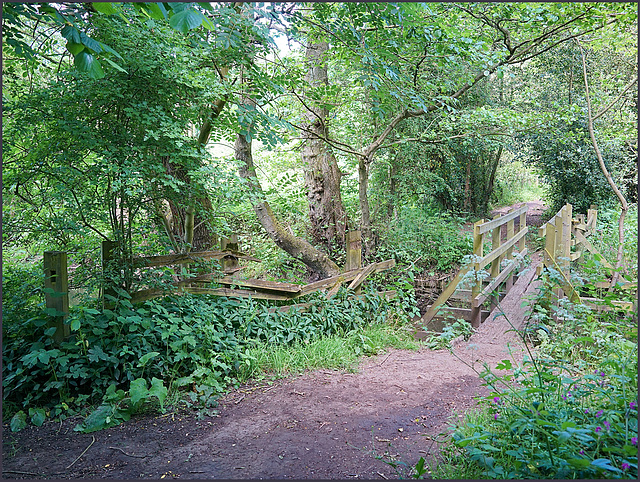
(499, 275)
(234, 286)
(565, 241)
(57, 285)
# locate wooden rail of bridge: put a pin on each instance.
(500, 251)
(565, 240)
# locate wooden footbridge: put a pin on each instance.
(495, 268)
(473, 286)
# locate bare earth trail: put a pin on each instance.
(320, 425)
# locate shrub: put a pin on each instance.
(431, 239)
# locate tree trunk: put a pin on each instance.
(300, 249)
(321, 173)
(624, 205)
(188, 226)
(492, 179)
(467, 187)
(391, 203)
(365, 221)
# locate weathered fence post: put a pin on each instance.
(509, 255)
(559, 247)
(566, 236)
(56, 284)
(354, 253)
(495, 264)
(354, 250)
(495, 244)
(230, 263)
(523, 225)
(592, 219)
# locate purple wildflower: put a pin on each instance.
(633, 405)
(495, 416)
(625, 466)
(634, 440)
(599, 413)
(581, 452)
(598, 429)
(607, 425)
(496, 399)
(564, 398)
(586, 410)
(601, 374)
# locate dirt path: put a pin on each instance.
(321, 425)
(534, 213)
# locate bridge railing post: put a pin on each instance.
(478, 247)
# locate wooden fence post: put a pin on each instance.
(56, 283)
(559, 247)
(495, 244)
(522, 225)
(594, 213)
(354, 250)
(354, 253)
(230, 263)
(566, 235)
(509, 255)
(495, 264)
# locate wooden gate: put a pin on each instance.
(235, 286)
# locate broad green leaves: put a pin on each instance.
(18, 421)
(117, 407)
(186, 20)
(86, 62)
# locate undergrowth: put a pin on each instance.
(430, 239)
(332, 352)
(132, 358)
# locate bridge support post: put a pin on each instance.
(478, 246)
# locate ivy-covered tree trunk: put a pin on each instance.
(321, 173)
(299, 248)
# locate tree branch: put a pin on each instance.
(603, 168)
(606, 109)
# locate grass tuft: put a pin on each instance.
(339, 352)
